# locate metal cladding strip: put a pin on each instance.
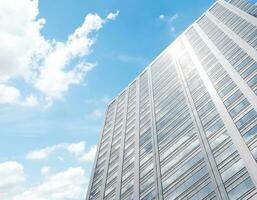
(96, 157)
(208, 155)
(120, 165)
(232, 35)
(239, 12)
(109, 153)
(233, 132)
(234, 75)
(155, 139)
(137, 147)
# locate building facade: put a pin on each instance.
(186, 127)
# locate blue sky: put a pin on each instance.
(61, 62)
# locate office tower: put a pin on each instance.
(186, 127)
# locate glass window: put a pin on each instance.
(226, 153)
(233, 98)
(145, 185)
(203, 192)
(254, 152)
(241, 189)
(227, 89)
(223, 81)
(188, 183)
(253, 81)
(238, 108)
(219, 140)
(206, 108)
(249, 70)
(149, 196)
(215, 127)
(228, 173)
(246, 118)
(250, 134)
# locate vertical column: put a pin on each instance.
(155, 139)
(120, 165)
(233, 132)
(242, 85)
(209, 158)
(96, 157)
(109, 153)
(137, 134)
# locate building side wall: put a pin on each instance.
(186, 127)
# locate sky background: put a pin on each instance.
(61, 62)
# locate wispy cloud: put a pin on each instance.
(98, 101)
(41, 154)
(78, 150)
(135, 60)
(98, 106)
(97, 114)
(173, 18)
(169, 20)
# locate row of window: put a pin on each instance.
(127, 184)
(97, 182)
(113, 164)
(146, 161)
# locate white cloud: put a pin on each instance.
(69, 184)
(88, 156)
(20, 37)
(11, 173)
(45, 170)
(54, 80)
(40, 63)
(9, 94)
(31, 101)
(161, 16)
(12, 177)
(113, 16)
(65, 185)
(78, 150)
